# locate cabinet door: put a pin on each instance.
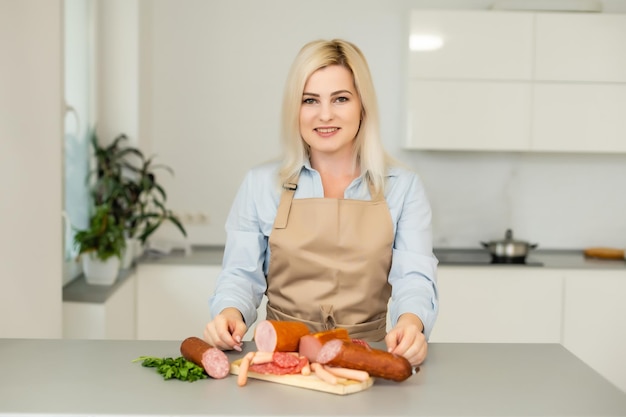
(457, 115)
(121, 321)
(595, 321)
(113, 319)
(173, 300)
(581, 47)
(579, 117)
(475, 45)
(506, 304)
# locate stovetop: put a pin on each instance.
(476, 257)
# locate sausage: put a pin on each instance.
(244, 366)
(376, 362)
(323, 374)
(311, 344)
(262, 357)
(279, 336)
(214, 361)
(353, 374)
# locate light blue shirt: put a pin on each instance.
(242, 281)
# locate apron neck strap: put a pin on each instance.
(286, 197)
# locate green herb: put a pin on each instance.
(178, 368)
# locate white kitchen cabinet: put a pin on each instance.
(113, 319)
(594, 326)
(518, 81)
(457, 115)
(475, 45)
(587, 47)
(173, 301)
(499, 304)
(579, 117)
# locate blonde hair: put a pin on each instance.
(368, 150)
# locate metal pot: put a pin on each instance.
(509, 249)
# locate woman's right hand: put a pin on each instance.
(226, 330)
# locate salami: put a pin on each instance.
(283, 364)
(214, 361)
(376, 362)
(361, 342)
(279, 336)
(285, 360)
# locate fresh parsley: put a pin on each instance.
(177, 368)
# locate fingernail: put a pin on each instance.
(237, 348)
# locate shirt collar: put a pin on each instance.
(392, 171)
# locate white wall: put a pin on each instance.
(117, 106)
(31, 133)
(213, 73)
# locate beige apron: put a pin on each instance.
(330, 259)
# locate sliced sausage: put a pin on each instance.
(311, 344)
(281, 367)
(214, 361)
(279, 336)
(376, 362)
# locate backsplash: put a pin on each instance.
(560, 201)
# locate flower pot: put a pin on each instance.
(138, 249)
(98, 272)
(128, 256)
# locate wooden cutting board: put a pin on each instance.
(605, 253)
(308, 381)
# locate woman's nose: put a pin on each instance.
(326, 112)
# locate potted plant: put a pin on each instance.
(115, 184)
(150, 206)
(126, 180)
(100, 247)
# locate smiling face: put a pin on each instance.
(330, 113)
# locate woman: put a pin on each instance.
(337, 228)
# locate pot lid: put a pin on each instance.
(508, 238)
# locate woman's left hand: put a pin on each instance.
(407, 339)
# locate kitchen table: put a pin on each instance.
(98, 377)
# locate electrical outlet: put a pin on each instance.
(202, 218)
(193, 217)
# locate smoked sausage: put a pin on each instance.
(311, 344)
(279, 336)
(376, 362)
(214, 361)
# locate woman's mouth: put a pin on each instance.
(326, 131)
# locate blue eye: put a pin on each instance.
(309, 100)
(342, 99)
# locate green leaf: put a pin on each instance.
(174, 368)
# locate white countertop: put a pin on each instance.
(88, 377)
